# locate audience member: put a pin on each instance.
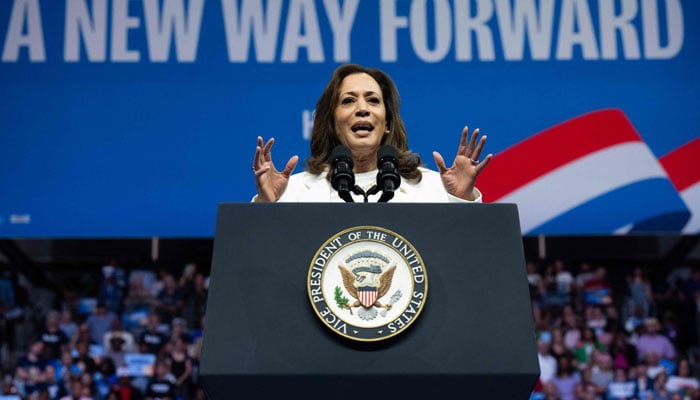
(534, 279)
(138, 296)
(572, 324)
(65, 368)
(67, 324)
(128, 343)
(660, 391)
(566, 378)
(640, 295)
(564, 279)
(584, 274)
(623, 352)
(8, 388)
(53, 337)
(157, 285)
(112, 289)
(683, 382)
(100, 322)
(621, 387)
(601, 371)
(585, 390)
(643, 384)
(181, 367)
(33, 372)
(105, 378)
(85, 362)
(587, 345)
(194, 294)
(597, 290)
(76, 391)
(596, 318)
(124, 387)
(116, 350)
(169, 300)
(547, 362)
(82, 335)
(558, 346)
(691, 284)
(654, 366)
(153, 338)
(652, 341)
(161, 386)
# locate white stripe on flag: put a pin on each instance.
(691, 197)
(581, 180)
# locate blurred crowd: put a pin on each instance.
(603, 333)
(615, 333)
(136, 335)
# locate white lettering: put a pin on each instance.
(575, 13)
(265, 27)
(341, 25)
(159, 28)
(419, 30)
(610, 23)
(307, 124)
(24, 11)
(390, 22)
(121, 24)
(650, 25)
(302, 31)
(92, 29)
(465, 24)
(525, 16)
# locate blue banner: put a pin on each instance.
(136, 118)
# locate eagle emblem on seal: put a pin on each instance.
(367, 277)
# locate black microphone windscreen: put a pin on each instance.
(341, 153)
(388, 178)
(342, 177)
(387, 153)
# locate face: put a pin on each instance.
(360, 115)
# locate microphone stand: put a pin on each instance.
(344, 193)
(358, 190)
(387, 193)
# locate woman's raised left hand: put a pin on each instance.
(460, 178)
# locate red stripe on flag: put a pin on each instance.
(550, 149)
(683, 164)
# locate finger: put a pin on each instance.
(463, 139)
(462, 149)
(266, 150)
(256, 156)
(440, 162)
(260, 171)
(472, 141)
(479, 148)
(291, 164)
(480, 167)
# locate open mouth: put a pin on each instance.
(361, 127)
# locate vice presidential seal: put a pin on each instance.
(367, 283)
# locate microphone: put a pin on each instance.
(342, 177)
(388, 178)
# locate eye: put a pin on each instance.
(374, 100)
(347, 100)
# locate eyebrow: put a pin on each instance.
(353, 93)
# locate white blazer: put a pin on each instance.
(308, 188)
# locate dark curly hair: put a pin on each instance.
(324, 138)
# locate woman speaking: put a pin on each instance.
(358, 112)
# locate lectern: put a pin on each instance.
(264, 336)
